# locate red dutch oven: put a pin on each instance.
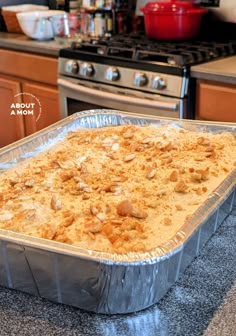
(173, 20)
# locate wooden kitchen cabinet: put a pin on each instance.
(11, 127)
(31, 80)
(215, 101)
(49, 114)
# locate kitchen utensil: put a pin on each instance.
(174, 20)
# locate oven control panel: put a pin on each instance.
(171, 85)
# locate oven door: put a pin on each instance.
(77, 95)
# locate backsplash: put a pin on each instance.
(210, 3)
(225, 12)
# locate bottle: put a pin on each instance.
(91, 24)
(108, 23)
(120, 23)
(99, 24)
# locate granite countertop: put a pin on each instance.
(201, 302)
(21, 42)
(223, 70)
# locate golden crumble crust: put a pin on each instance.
(116, 189)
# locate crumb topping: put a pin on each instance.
(116, 189)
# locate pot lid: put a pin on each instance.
(168, 6)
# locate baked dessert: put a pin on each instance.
(116, 189)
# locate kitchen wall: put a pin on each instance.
(226, 11)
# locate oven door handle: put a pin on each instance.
(118, 97)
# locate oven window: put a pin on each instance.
(78, 106)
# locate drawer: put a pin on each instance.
(29, 66)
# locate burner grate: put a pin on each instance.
(137, 47)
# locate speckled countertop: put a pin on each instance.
(21, 42)
(223, 70)
(202, 302)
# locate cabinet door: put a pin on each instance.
(44, 108)
(11, 123)
(215, 101)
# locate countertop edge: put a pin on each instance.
(222, 70)
(20, 42)
(36, 50)
(216, 77)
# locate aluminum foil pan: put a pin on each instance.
(104, 282)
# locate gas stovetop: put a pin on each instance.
(136, 49)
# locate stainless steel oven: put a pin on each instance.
(133, 73)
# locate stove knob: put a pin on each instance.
(72, 67)
(158, 83)
(87, 70)
(140, 79)
(112, 74)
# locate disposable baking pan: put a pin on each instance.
(104, 282)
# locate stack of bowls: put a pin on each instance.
(44, 25)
